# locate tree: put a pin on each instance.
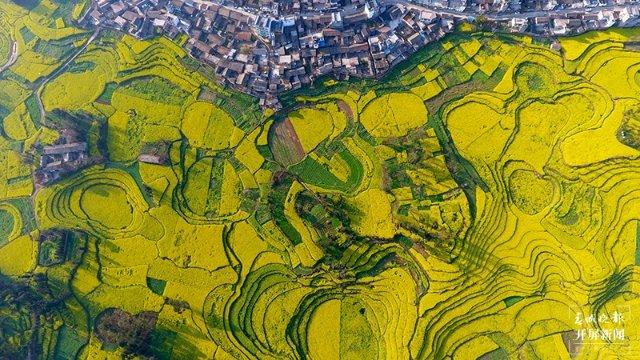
(116, 327)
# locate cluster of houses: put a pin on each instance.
(265, 47)
(66, 156)
(579, 22)
(277, 47)
(546, 17)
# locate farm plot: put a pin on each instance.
(209, 127)
(393, 115)
(105, 202)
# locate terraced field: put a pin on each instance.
(475, 203)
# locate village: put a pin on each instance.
(270, 47)
(266, 47)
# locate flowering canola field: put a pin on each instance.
(479, 202)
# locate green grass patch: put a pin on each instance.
(25, 207)
(69, 343)
(509, 301)
(156, 285)
(27, 4)
(34, 109)
(161, 344)
(277, 199)
(3, 112)
(155, 89)
(55, 49)
(81, 67)
(26, 34)
(312, 172)
(107, 94)
(356, 171)
(6, 226)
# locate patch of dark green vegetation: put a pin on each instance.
(156, 285)
(162, 344)
(25, 208)
(65, 8)
(97, 138)
(33, 109)
(4, 112)
(397, 175)
(312, 172)
(28, 311)
(80, 67)
(214, 193)
(570, 218)
(452, 73)
(250, 198)
(329, 217)
(511, 300)
(364, 135)
(262, 213)
(199, 67)
(535, 82)
(571, 210)
(497, 354)
(277, 199)
(356, 170)
(26, 34)
(69, 343)
(10, 75)
(133, 169)
(6, 226)
(55, 246)
(57, 49)
(245, 109)
(265, 151)
(107, 94)
(27, 4)
(154, 89)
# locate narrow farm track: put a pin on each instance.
(59, 70)
(12, 58)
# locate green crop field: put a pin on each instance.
(475, 203)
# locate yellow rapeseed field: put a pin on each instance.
(472, 205)
(312, 126)
(371, 214)
(393, 114)
(209, 127)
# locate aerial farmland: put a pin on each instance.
(480, 200)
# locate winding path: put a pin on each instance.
(12, 58)
(57, 71)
